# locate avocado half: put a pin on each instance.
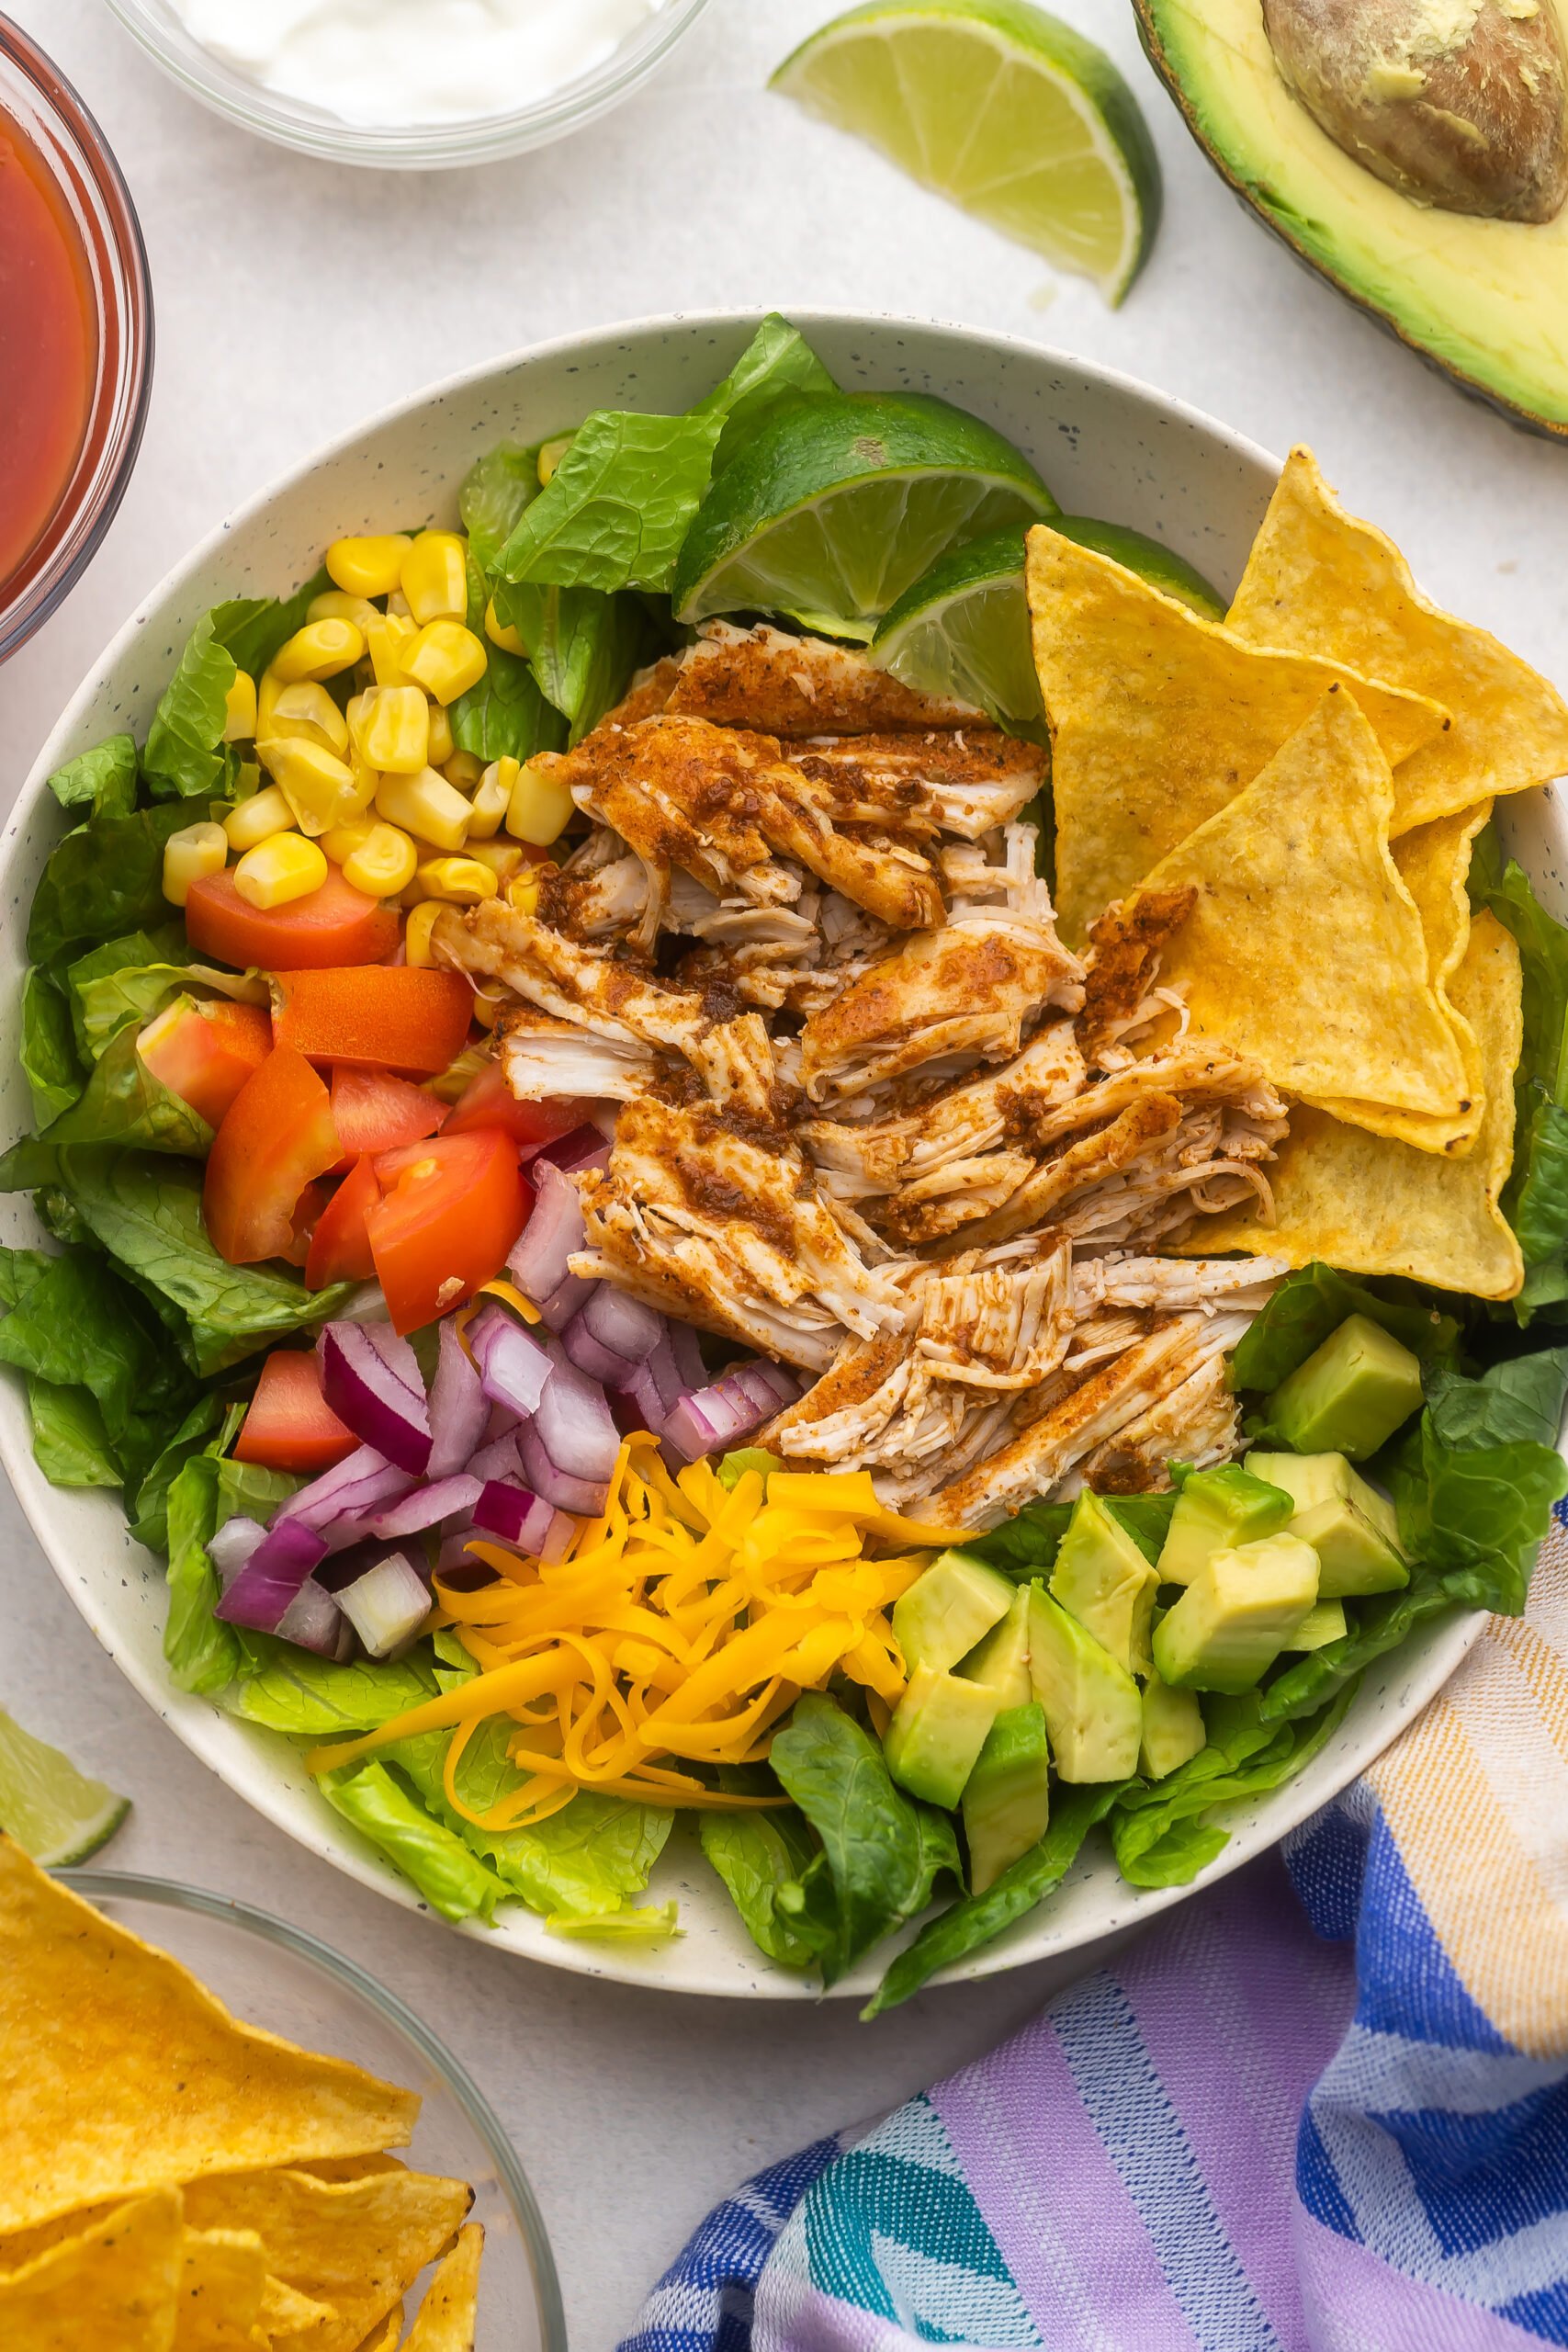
(1484, 300)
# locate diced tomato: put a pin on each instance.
(372, 1111)
(388, 1017)
(290, 1426)
(488, 1101)
(340, 1246)
(277, 1138)
(335, 925)
(204, 1052)
(451, 1211)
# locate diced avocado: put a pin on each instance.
(1093, 1712)
(1007, 1803)
(948, 1610)
(1313, 1479)
(1350, 1394)
(1323, 1624)
(1215, 1511)
(1236, 1615)
(1173, 1728)
(938, 1730)
(1001, 1660)
(1352, 1556)
(1103, 1578)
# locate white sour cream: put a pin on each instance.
(386, 63)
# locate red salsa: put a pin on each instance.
(48, 347)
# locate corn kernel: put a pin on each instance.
(240, 709)
(338, 605)
(540, 809)
(427, 806)
(398, 607)
(462, 879)
(278, 871)
(385, 863)
(189, 856)
(490, 1002)
(258, 819)
(465, 770)
(492, 797)
(550, 455)
(435, 577)
(502, 632)
(385, 639)
(391, 726)
(320, 650)
(523, 891)
(317, 784)
(340, 843)
(366, 784)
(446, 659)
(370, 566)
(307, 713)
(417, 949)
(269, 685)
(503, 858)
(442, 742)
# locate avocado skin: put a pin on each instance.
(1276, 218)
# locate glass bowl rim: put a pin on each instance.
(479, 139)
(174, 1895)
(122, 396)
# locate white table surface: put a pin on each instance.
(293, 298)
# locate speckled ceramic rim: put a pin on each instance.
(422, 147)
(1355, 1746)
(169, 1895)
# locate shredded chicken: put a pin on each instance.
(1120, 997)
(799, 685)
(965, 781)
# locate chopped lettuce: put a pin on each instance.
(1161, 1831)
(620, 505)
(70, 1444)
(102, 781)
(293, 1691)
(1537, 1199)
(49, 1058)
(1311, 1304)
(1026, 1545)
(203, 1655)
(758, 1855)
(778, 359)
(494, 497)
(147, 1506)
(453, 1881)
(255, 628)
(186, 752)
(582, 645)
(122, 1104)
(506, 717)
(73, 1325)
(104, 878)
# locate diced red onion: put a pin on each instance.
(689, 1365)
(455, 1564)
(459, 1409)
(574, 1423)
(499, 1459)
(590, 1355)
(396, 1353)
(584, 1147)
(513, 1368)
(712, 1418)
(261, 1592)
(769, 1389)
(232, 1546)
(387, 1605)
(585, 1496)
(656, 1386)
(554, 1230)
(565, 1301)
(515, 1514)
(621, 1323)
(314, 1621)
(430, 1506)
(336, 1504)
(502, 1421)
(373, 1399)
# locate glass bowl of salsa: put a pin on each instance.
(76, 337)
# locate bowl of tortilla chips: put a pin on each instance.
(216, 2135)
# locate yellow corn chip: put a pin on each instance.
(1434, 862)
(1378, 1207)
(118, 2071)
(115, 2286)
(1319, 582)
(383, 2338)
(285, 2313)
(220, 2292)
(354, 2246)
(448, 2317)
(1303, 948)
(1158, 719)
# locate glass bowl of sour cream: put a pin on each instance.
(409, 85)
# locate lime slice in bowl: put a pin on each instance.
(1005, 109)
(838, 502)
(55, 1813)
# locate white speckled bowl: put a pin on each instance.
(1107, 446)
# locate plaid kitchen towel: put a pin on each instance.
(1240, 2136)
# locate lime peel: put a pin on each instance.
(55, 1813)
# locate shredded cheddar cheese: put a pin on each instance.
(677, 1631)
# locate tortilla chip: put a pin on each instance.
(1372, 1206)
(1434, 863)
(118, 2071)
(383, 2338)
(115, 2286)
(286, 2312)
(448, 2317)
(1158, 719)
(1303, 949)
(1319, 582)
(354, 2246)
(220, 2292)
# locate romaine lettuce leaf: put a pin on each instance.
(50, 1063)
(1311, 1304)
(292, 1690)
(102, 781)
(1536, 1200)
(75, 1325)
(122, 1104)
(1375, 1628)
(582, 645)
(1025, 1546)
(507, 716)
(1161, 1830)
(70, 1444)
(203, 1655)
(104, 878)
(757, 1855)
(620, 505)
(778, 359)
(186, 752)
(494, 497)
(147, 1506)
(255, 628)
(453, 1881)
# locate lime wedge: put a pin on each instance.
(1159, 565)
(54, 1812)
(998, 106)
(839, 502)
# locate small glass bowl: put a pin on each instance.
(46, 108)
(416, 146)
(272, 1976)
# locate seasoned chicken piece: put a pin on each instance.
(544, 1059)
(715, 1217)
(650, 690)
(1198, 1423)
(1120, 993)
(952, 1131)
(1246, 1284)
(601, 891)
(965, 781)
(953, 997)
(800, 685)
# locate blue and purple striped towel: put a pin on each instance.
(1241, 2136)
